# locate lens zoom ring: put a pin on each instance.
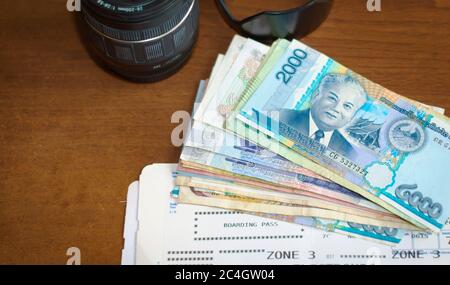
(160, 52)
(144, 34)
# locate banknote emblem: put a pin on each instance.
(406, 135)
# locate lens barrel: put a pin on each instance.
(142, 40)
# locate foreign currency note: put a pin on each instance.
(356, 133)
(196, 196)
(226, 94)
(223, 68)
(271, 175)
(346, 212)
(190, 169)
(217, 140)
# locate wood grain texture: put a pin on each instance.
(73, 136)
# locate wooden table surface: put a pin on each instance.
(73, 137)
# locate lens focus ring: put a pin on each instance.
(155, 45)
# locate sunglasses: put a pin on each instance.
(270, 25)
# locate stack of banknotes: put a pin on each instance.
(288, 133)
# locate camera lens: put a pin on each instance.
(142, 40)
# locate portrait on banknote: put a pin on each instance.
(333, 106)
